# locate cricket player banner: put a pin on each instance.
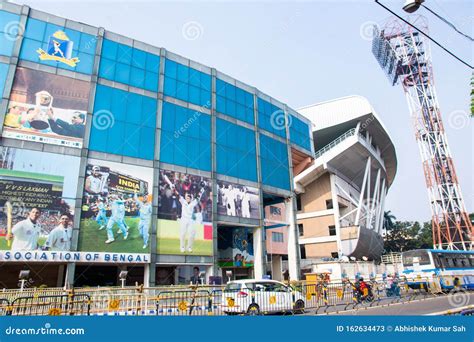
(37, 191)
(184, 214)
(47, 108)
(116, 209)
(237, 200)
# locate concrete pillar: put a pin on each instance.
(258, 245)
(335, 205)
(293, 245)
(277, 272)
(69, 280)
(61, 270)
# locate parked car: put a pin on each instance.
(255, 297)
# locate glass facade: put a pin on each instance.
(235, 151)
(234, 101)
(185, 136)
(123, 123)
(128, 65)
(187, 84)
(9, 25)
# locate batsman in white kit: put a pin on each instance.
(187, 221)
(60, 237)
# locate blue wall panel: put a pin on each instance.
(9, 24)
(134, 122)
(235, 151)
(271, 118)
(274, 163)
(235, 102)
(128, 65)
(300, 133)
(187, 84)
(185, 137)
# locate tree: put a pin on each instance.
(388, 220)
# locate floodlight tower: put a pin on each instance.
(404, 55)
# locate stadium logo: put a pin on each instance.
(59, 50)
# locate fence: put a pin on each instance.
(314, 297)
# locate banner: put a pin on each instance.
(37, 191)
(235, 247)
(47, 108)
(116, 208)
(237, 200)
(184, 214)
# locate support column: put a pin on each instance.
(69, 279)
(276, 268)
(337, 219)
(293, 245)
(258, 246)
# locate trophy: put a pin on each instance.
(44, 103)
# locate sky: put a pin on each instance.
(305, 52)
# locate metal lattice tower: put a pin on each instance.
(404, 55)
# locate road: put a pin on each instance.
(430, 305)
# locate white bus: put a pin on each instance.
(452, 268)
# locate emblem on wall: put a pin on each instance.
(59, 49)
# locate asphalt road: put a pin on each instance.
(430, 305)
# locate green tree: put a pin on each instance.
(388, 220)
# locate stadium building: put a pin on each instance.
(120, 156)
(341, 195)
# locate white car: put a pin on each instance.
(255, 297)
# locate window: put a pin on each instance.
(8, 39)
(302, 252)
(185, 137)
(187, 84)
(332, 230)
(300, 133)
(234, 101)
(329, 204)
(274, 161)
(3, 77)
(298, 202)
(133, 131)
(128, 65)
(275, 210)
(235, 150)
(271, 118)
(335, 255)
(277, 237)
(300, 229)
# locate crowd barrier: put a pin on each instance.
(316, 297)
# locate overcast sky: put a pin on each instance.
(307, 52)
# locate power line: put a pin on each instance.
(425, 34)
(449, 24)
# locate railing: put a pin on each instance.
(309, 296)
(335, 142)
